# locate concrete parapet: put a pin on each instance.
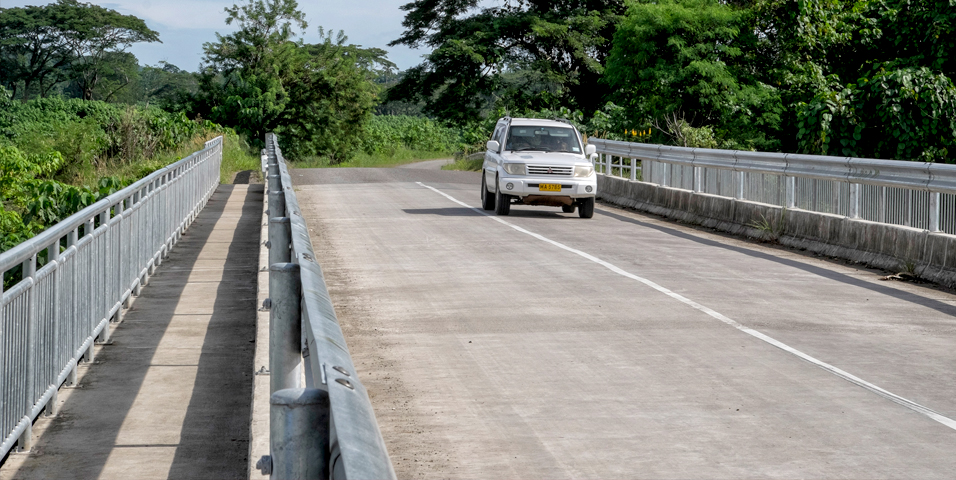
(930, 256)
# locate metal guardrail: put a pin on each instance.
(321, 420)
(914, 194)
(94, 261)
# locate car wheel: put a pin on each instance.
(487, 200)
(567, 208)
(586, 208)
(502, 201)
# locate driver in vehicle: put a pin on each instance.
(559, 144)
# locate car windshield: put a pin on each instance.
(545, 139)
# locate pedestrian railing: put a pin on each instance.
(321, 420)
(75, 278)
(914, 194)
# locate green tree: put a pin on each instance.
(874, 78)
(524, 54)
(333, 98)
(41, 46)
(684, 63)
(166, 86)
(259, 80)
(245, 77)
(96, 37)
(33, 50)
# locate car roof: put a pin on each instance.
(523, 122)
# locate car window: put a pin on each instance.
(497, 135)
(548, 139)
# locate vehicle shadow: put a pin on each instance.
(467, 212)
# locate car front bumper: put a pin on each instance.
(524, 185)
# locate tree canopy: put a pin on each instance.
(85, 43)
(524, 54)
(260, 79)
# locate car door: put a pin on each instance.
(493, 159)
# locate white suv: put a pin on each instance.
(538, 162)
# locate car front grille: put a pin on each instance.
(546, 170)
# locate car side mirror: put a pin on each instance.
(493, 145)
(590, 150)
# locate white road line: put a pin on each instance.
(719, 316)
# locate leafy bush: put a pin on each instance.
(58, 156)
(385, 134)
(92, 134)
(905, 114)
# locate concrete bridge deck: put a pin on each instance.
(542, 345)
(170, 396)
(538, 345)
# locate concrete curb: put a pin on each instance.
(931, 256)
(259, 423)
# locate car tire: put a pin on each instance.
(586, 208)
(502, 201)
(487, 199)
(567, 208)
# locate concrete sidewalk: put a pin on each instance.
(170, 397)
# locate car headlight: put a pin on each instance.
(514, 168)
(583, 170)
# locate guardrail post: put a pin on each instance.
(791, 188)
(280, 239)
(739, 191)
(285, 326)
(25, 442)
(934, 212)
(633, 169)
(854, 200)
(883, 205)
(276, 197)
(299, 434)
(698, 179)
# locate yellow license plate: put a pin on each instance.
(549, 187)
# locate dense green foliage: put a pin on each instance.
(58, 156)
(385, 134)
(868, 78)
(861, 78)
(688, 57)
(521, 55)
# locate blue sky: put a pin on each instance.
(184, 25)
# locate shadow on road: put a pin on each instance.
(820, 271)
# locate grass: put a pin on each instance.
(771, 228)
(465, 165)
(236, 156)
(401, 156)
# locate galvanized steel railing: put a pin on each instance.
(914, 194)
(89, 265)
(321, 420)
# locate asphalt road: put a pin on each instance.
(542, 345)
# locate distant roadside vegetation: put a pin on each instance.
(59, 155)
(80, 117)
